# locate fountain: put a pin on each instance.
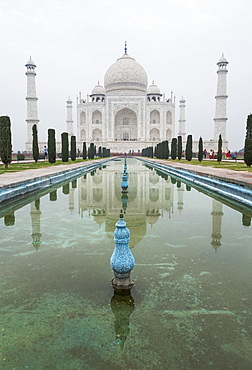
(122, 260)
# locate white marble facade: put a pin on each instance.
(125, 115)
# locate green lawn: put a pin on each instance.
(21, 166)
(235, 166)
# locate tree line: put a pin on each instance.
(162, 151)
(66, 152)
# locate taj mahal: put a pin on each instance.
(127, 114)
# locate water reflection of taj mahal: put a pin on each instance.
(147, 198)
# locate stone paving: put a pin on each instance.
(243, 178)
(12, 178)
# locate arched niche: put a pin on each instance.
(82, 118)
(96, 117)
(154, 134)
(168, 134)
(168, 117)
(154, 117)
(125, 125)
(97, 135)
(153, 194)
(83, 134)
(97, 195)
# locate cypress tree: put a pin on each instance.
(73, 148)
(35, 148)
(5, 141)
(248, 142)
(179, 147)
(174, 148)
(84, 151)
(91, 151)
(51, 146)
(165, 149)
(100, 151)
(64, 146)
(200, 153)
(65, 189)
(189, 148)
(155, 151)
(219, 153)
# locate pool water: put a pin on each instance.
(191, 307)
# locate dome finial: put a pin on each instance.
(125, 48)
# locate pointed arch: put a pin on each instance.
(97, 135)
(168, 134)
(168, 117)
(83, 134)
(97, 117)
(125, 125)
(154, 117)
(154, 134)
(82, 118)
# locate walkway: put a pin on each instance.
(12, 178)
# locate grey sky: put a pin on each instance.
(177, 42)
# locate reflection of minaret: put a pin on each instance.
(122, 304)
(71, 199)
(35, 219)
(32, 114)
(180, 187)
(216, 224)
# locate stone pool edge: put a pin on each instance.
(22, 187)
(239, 192)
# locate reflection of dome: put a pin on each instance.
(125, 74)
(135, 223)
(153, 90)
(98, 90)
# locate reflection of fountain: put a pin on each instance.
(122, 304)
(35, 219)
(122, 260)
(124, 184)
(124, 199)
(216, 224)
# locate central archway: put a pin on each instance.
(125, 125)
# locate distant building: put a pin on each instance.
(127, 115)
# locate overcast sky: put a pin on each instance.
(178, 43)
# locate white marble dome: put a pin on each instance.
(98, 90)
(125, 75)
(153, 90)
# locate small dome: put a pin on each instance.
(125, 75)
(222, 61)
(30, 62)
(98, 90)
(153, 90)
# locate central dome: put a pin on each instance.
(125, 75)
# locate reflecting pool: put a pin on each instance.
(191, 307)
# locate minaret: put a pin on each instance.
(32, 112)
(221, 101)
(182, 119)
(69, 117)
